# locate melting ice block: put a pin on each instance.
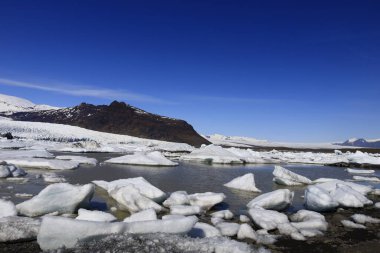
(286, 177)
(154, 158)
(206, 200)
(84, 214)
(318, 199)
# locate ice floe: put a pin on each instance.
(348, 197)
(206, 200)
(246, 232)
(61, 198)
(245, 183)
(78, 159)
(145, 188)
(94, 215)
(53, 233)
(203, 230)
(350, 224)
(359, 171)
(228, 228)
(10, 170)
(362, 219)
(330, 186)
(318, 199)
(129, 198)
(43, 163)
(53, 178)
(185, 210)
(267, 219)
(177, 198)
(283, 176)
(212, 154)
(276, 200)
(223, 214)
(368, 179)
(154, 158)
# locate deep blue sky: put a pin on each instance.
(277, 70)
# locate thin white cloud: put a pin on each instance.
(86, 91)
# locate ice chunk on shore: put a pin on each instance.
(7, 208)
(350, 224)
(84, 214)
(246, 232)
(244, 218)
(323, 180)
(361, 218)
(348, 197)
(276, 200)
(286, 177)
(223, 214)
(318, 199)
(185, 210)
(361, 171)
(10, 170)
(145, 188)
(54, 234)
(78, 159)
(206, 200)
(129, 198)
(228, 228)
(145, 215)
(368, 179)
(61, 198)
(245, 183)
(203, 230)
(52, 164)
(331, 186)
(17, 229)
(267, 219)
(177, 198)
(154, 158)
(212, 154)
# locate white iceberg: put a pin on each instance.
(129, 198)
(267, 219)
(223, 214)
(203, 230)
(145, 215)
(361, 171)
(350, 224)
(17, 229)
(145, 188)
(244, 218)
(43, 163)
(7, 208)
(212, 154)
(54, 234)
(185, 210)
(94, 215)
(348, 197)
(10, 170)
(246, 232)
(206, 200)
(177, 198)
(78, 159)
(245, 183)
(228, 228)
(62, 198)
(276, 200)
(368, 179)
(154, 158)
(318, 199)
(283, 176)
(361, 218)
(53, 178)
(331, 186)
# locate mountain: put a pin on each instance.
(11, 104)
(118, 118)
(360, 142)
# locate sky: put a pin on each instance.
(299, 71)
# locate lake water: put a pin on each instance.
(190, 177)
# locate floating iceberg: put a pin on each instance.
(177, 198)
(53, 178)
(54, 234)
(361, 171)
(283, 176)
(154, 158)
(130, 198)
(318, 199)
(78, 159)
(62, 198)
(84, 214)
(206, 200)
(245, 183)
(145, 215)
(43, 163)
(368, 179)
(276, 200)
(145, 188)
(7, 208)
(212, 154)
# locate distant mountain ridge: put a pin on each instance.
(361, 142)
(118, 118)
(11, 104)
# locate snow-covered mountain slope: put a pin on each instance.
(68, 134)
(10, 104)
(236, 141)
(360, 142)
